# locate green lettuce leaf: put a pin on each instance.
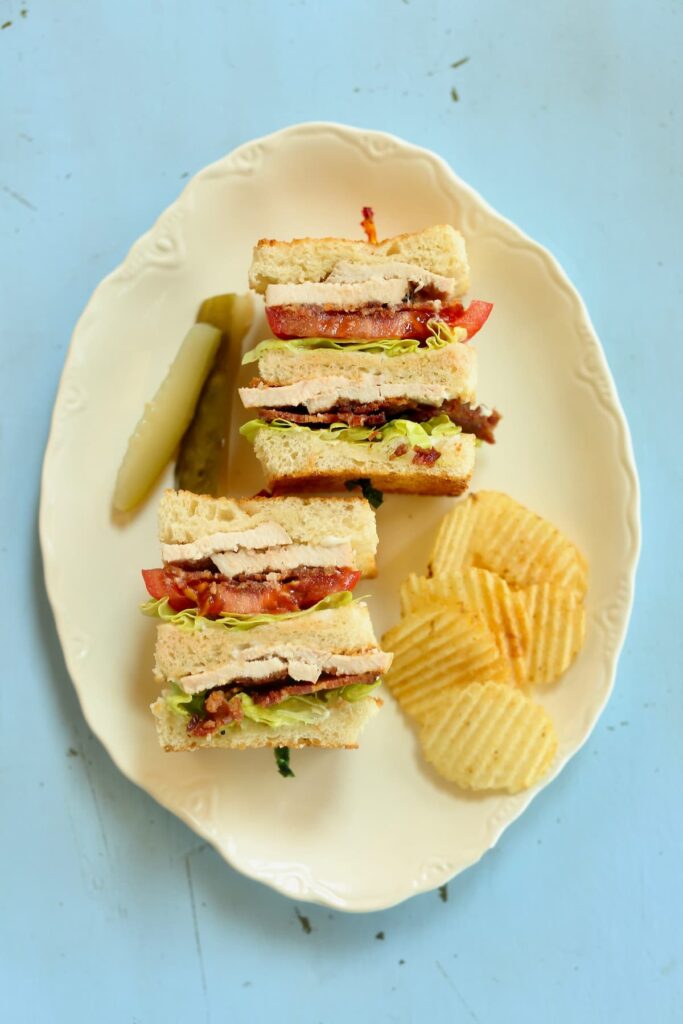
(291, 711)
(182, 703)
(356, 691)
(440, 334)
(415, 433)
(190, 619)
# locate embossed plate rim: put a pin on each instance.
(156, 246)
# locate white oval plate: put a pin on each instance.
(355, 830)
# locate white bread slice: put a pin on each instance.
(344, 630)
(439, 249)
(300, 460)
(339, 729)
(451, 370)
(185, 517)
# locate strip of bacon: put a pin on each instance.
(368, 224)
(308, 321)
(352, 419)
(399, 450)
(473, 419)
(212, 594)
(266, 698)
(223, 706)
(425, 456)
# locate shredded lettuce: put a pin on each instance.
(291, 711)
(416, 433)
(440, 335)
(190, 620)
(182, 703)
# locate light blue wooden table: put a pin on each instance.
(568, 121)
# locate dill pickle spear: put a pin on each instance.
(202, 464)
(165, 419)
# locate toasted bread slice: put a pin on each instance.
(299, 460)
(439, 249)
(340, 729)
(347, 629)
(185, 517)
(429, 375)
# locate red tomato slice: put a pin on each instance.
(304, 321)
(161, 583)
(474, 317)
(213, 594)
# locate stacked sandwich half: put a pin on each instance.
(370, 374)
(260, 641)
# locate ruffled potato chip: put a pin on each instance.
(484, 736)
(558, 629)
(492, 531)
(488, 597)
(436, 651)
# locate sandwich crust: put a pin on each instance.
(297, 460)
(185, 517)
(339, 730)
(439, 249)
(434, 485)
